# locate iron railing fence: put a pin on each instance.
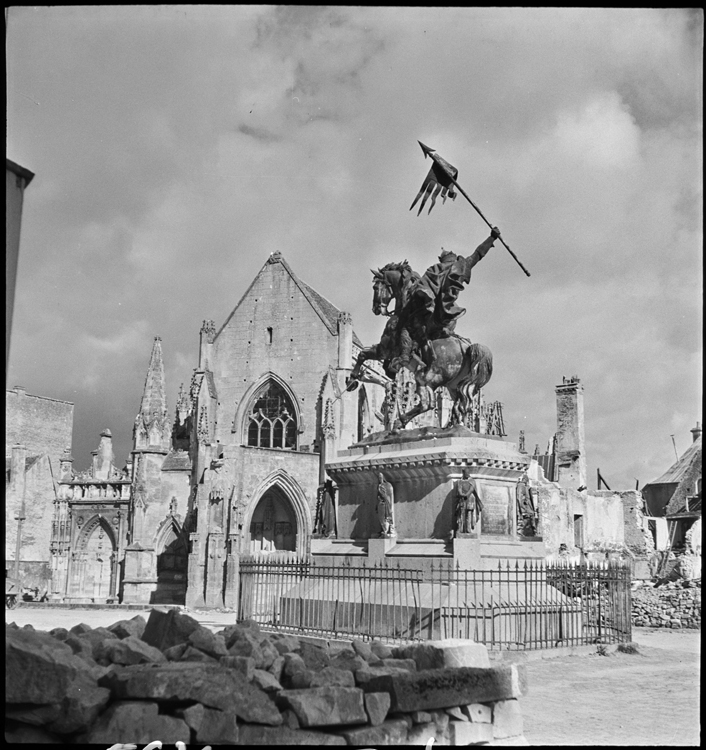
(516, 606)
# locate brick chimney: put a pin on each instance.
(696, 431)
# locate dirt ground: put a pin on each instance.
(648, 699)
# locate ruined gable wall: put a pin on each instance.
(42, 425)
(301, 350)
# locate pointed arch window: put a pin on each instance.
(272, 421)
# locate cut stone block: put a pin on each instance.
(324, 706)
(332, 676)
(380, 649)
(376, 706)
(314, 657)
(456, 713)
(443, 688)
(401, 663)
(123, 628)
(265, 681)
(242, 664)
(467, 733)
(210, 643)
(507, 719)
(251, 734)
(129, 650)
(367, 673)
(218, 727)
(212, 685)
(174, 653)
(167, 629)
(390, 732)
(479, 713)
(452, 652)
(80, 707)
(196, 655)
(135, 722)
(363, 649)
(285, 643)
(420, 717)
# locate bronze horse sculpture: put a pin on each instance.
(413, 340)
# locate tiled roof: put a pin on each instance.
(675, 473)
(328, 310)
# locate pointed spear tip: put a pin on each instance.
(426, 149)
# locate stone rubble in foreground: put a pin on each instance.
(171, 679)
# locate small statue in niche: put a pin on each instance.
(386, 508)
(527, 516)
(325, 522)
(468, 504)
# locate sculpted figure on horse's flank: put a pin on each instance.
(419, 334)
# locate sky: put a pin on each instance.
(176, 147)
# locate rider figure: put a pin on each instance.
(432, 312)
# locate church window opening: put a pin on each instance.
(272, 420)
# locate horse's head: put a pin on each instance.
(382, 292)
(389, 283)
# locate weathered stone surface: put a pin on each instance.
(210, 643)
(443, 688)
(380, 649)
(348, 660)
(300, 680)
(61, 634)
(284, 643)
(80, 707)
(467, 733)
(325, 706)
(218, 727)
(195, 655)
(390, 732)
(363, 649)
(507, 719)
(456, 713)
(421, 733)
(129, 650)
(124, 628)
(332, 676)
(135, 722)
(289, 719)
(80, 647)
(174, 653)
(166, 629)
(95, 638)
(265, 681)
(408, 664)
(420, 717)
(478, 713)
(35, 736)
(314, 657)
(38, 668)
(367, 673)
(453, 652)
(80, 628)
(242, 664)
(192, 715)
(376, 706)
(246, 644)
(28, 713)
(212, 685)
(293, 663)
(275, 669)
(251, 734)
(269, 653)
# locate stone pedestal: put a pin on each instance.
(423, 469)
(378, 548)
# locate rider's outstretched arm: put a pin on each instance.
(482, 250)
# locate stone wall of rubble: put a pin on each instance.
(171, 679)
(676, 604)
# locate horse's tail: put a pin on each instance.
(480, 361)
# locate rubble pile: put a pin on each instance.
(676, 604)
(171, 679)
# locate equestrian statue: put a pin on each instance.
(419, 333)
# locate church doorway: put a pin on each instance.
(273, 526)
(93, 575)
(172, 565)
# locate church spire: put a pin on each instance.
(152, 428)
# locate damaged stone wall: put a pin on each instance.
(171, 679)
(676, 604)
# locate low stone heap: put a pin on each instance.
(171, 679)
(672, 605)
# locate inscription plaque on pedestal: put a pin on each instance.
(495, 518)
